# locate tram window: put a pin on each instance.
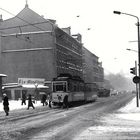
(59, 88)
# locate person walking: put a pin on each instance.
(65, 102)
(43, 99)
(49, 100)
(30, 102)
(23, 99)
(6, 104)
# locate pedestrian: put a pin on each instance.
(65, 102)
(6, 104)
(49, 100)
(30, 102)
(23, 99)
(43, 99)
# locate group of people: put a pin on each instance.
(44, 100)
(6, 102)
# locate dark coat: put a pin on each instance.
(65, 99)
(5, 101)
(44, 97)
(24, 97)
(30, 101)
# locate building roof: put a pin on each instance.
(26, 17)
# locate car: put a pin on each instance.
(113, 92)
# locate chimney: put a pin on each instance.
(67, 30)
(26, 5)
(78, 37)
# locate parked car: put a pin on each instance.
(113, 92)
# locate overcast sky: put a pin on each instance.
(109, 35)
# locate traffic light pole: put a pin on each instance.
(137, 91)
(138, 24)
(118, 12)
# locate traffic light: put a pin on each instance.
(133, 70)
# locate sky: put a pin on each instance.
(109, 35)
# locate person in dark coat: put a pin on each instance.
(43, 100)
(65, 102)
(30, 102)
(5, 104)
(23, 99)
(49, 98)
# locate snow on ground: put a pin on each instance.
(16, 104)
(121, 123)
(130, 111)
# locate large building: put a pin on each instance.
(93, 71)
(34, 47)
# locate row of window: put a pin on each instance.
(66, 41)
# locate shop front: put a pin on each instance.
(33, 86)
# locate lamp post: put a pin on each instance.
(118, 12)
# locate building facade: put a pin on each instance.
(93, 71)
(34, 47)
(37, 48)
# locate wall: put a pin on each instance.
(31, 58)
(69, 54)
(93, 72)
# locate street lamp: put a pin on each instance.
(118, 12)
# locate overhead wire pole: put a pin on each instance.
(137, 94)
(118, 12)
(138, 51)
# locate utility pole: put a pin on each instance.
(137, 24)
(137, 91)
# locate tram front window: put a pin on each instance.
(59, 87)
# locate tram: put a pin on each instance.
(75, 88)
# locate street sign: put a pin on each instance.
(31, 81)
(136, 79)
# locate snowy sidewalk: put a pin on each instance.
(130, 111)
(123, 124)
(17, 105)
